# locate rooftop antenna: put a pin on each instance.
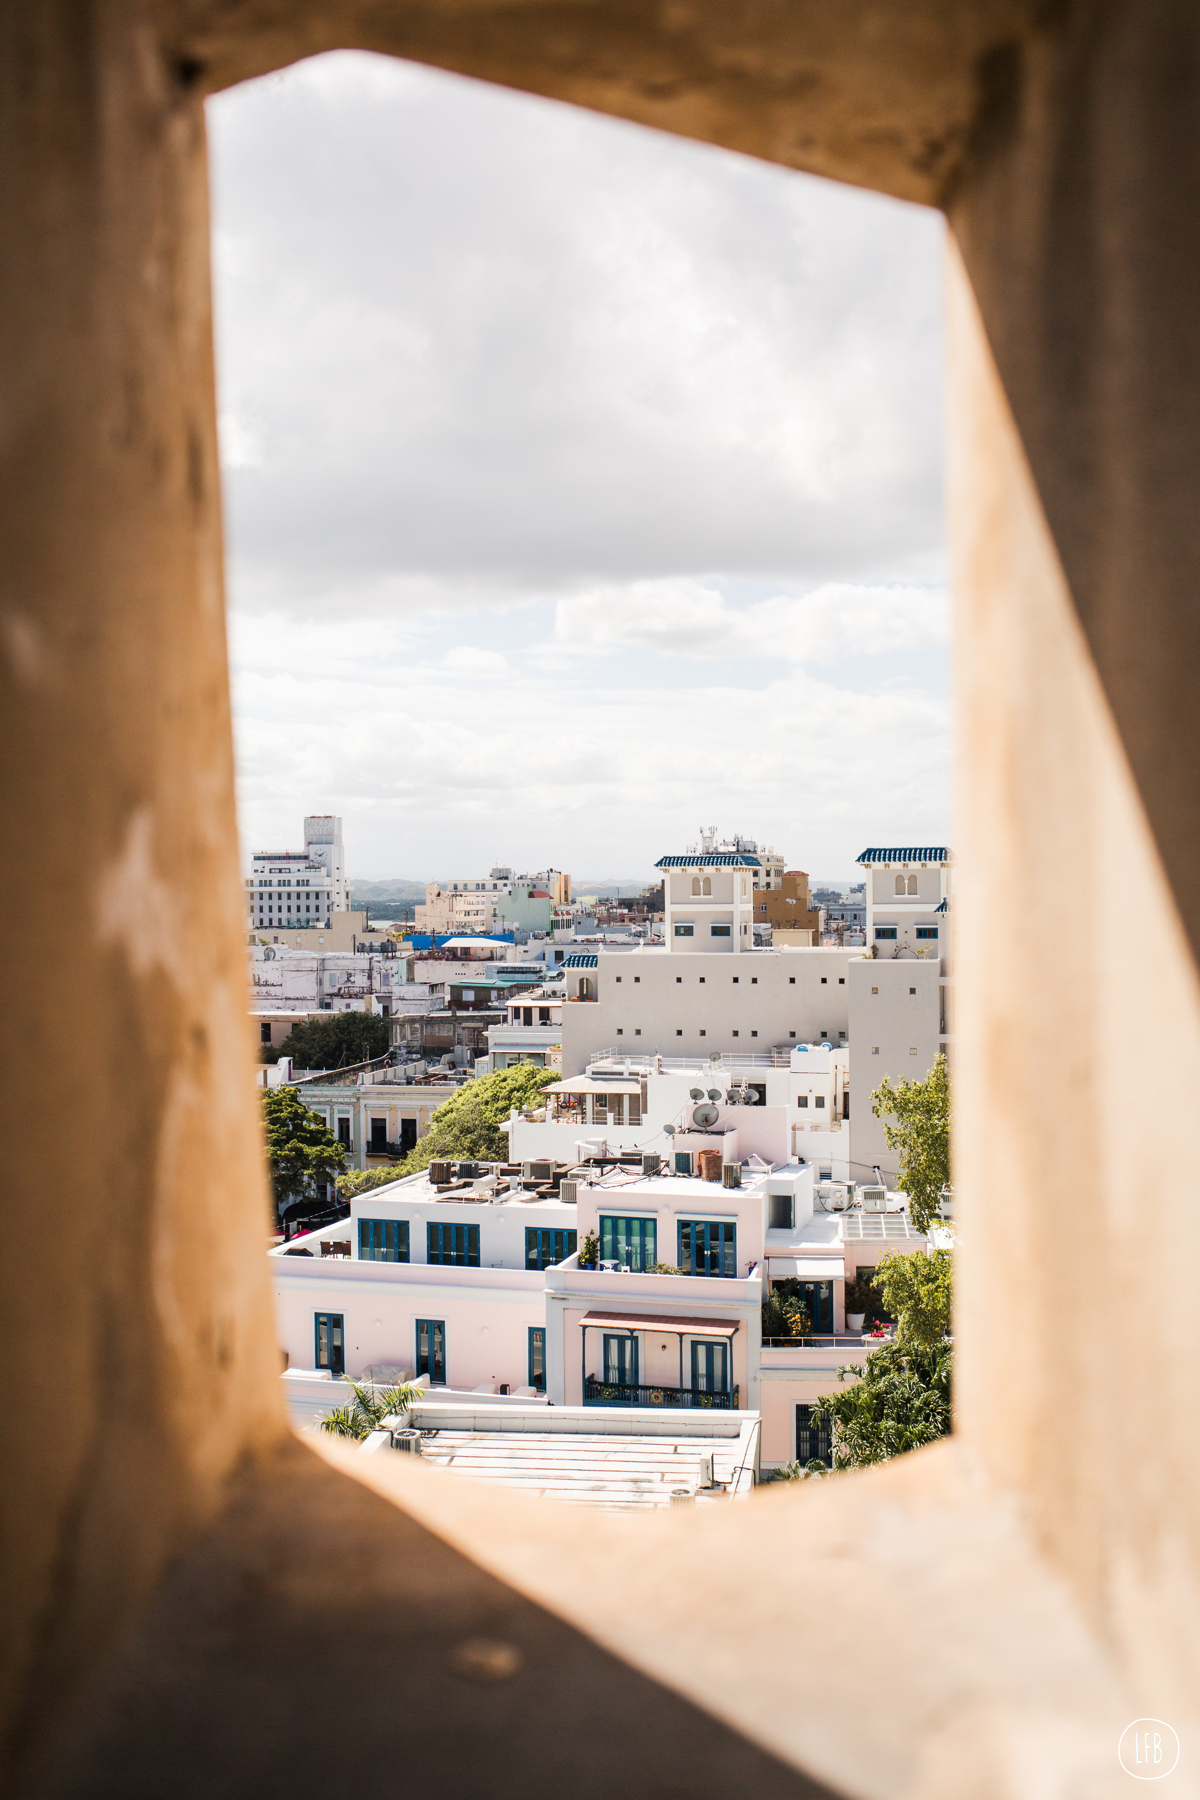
(708, 837)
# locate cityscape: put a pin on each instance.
(692, 1155)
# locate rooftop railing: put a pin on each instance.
(611, 1393)
(821, 1340)
(645, 1064)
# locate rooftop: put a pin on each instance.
(710, 859)
(938, 854)
(619, 1461)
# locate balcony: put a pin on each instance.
(611, 1393)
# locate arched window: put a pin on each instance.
(899, 884)
(708, 884)
(695, 884)
(912, 884)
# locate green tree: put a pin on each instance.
(467, 1126)
(921, 1133)
(897, 1401)
(361, 1181)
(917, 1291)
(333, 1043)
(900, 1397)
(301, 1150)
(369, 1408)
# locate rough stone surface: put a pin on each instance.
(1063, 140)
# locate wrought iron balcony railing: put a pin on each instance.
(612, 1393)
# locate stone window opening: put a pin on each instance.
(1071, 683)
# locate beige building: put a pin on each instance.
(708, 904)
(499, 901)
(788, 909)
(344, 931)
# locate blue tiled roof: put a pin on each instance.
(716, 859)
(580, 959)
(938, 854)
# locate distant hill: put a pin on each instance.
(585, 884)
(394, 898)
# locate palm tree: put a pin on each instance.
(369, 1408)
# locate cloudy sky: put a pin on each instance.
(583, 485)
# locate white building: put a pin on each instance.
(500, 901)
(908, 902)
(702, 1004)
(298, 888)
(476, 1286)
(708, 901)
(532, 1032)
(381, 1112)
(794, 1110)
(334, 981)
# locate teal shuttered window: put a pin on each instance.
(456, 1246)
(708, 1247)
(544, 1247)
(383, 1240)
(630, 1243)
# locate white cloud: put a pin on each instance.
(596, 775)
(559, 456)
(466, 659)
(492, 344)
(690, 619)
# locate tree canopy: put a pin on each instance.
(900, 1397)
(897, 1401)
(361, 1181)
(917, 1292)
(921, 1133)
(333, 1043)
(301, 1149)
(467, 1126)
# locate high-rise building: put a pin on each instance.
(299, 887)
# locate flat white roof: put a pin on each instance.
(616, 1474)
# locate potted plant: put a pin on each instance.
(860, 1296)
(589, 1250)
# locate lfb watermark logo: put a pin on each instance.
(1149, 1749)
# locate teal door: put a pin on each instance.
(537, 1358)
(710, 1367)
(620, 1361)
(330, 1336)
(708, 1247)
(819, 1297)
(431, 1349)
(631, 1243)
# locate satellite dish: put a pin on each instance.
(751, 1096)
(714, 1093)
(696, 1093)
(670, 1130)
(732, 1097)
(705, 1115)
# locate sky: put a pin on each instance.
(583, 485)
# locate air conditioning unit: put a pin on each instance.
(651, 1162)
(874, 1199)
(731, 1175)
(407, 1439)
(537, 1171)
(440, 1172)
(568, 1191)
(468, 1171)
